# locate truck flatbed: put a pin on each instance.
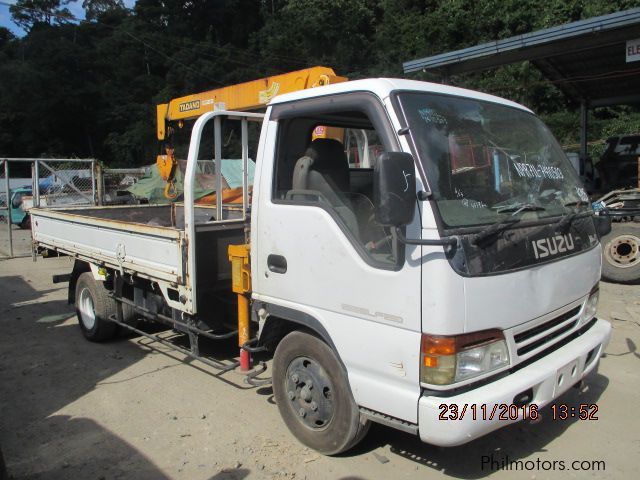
(148, 241)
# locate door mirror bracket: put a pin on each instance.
(449, 242)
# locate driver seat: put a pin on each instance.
(324, 169)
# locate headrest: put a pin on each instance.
(329, 159)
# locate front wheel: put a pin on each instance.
(93, 308)
(313, 395)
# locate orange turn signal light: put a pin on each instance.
(436, 345)
(430, 361)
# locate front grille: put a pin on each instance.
(535, 337)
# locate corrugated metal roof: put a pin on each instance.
(585, 59)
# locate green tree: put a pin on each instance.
(335, 33)
(94, 8)
(5, 36)
(29, 13)
(90, 89)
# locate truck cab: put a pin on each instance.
(480, 295)
(18, 214)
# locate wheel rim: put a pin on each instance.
(623, 251)
(310, 393)
(87, 309)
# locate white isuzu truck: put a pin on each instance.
(444, 265)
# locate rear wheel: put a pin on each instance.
(93, 308)
(313, 395)
(621, 253)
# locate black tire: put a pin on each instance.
(25, 224)
(320, 381)
(93, 308)
(621, 253)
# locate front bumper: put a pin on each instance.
(548, 377)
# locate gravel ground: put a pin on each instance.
(135, 410)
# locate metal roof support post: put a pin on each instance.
(584, 111)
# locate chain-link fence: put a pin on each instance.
(64, 183)
(29, 182)
(114, 182)
(54, 183)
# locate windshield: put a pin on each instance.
(485, 161)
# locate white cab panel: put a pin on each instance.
(325, 275)
(536, 291)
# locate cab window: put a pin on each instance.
(327, 161)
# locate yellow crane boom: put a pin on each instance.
(243, 96)
(251, 95)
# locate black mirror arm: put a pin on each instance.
(444, 242)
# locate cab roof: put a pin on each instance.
(383, 87)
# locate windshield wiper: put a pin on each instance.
(567, 219)
(497, 227)
(501, 225)
(520, 207)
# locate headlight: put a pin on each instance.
(447, 360)
(592, 305)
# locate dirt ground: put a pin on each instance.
(129, 409)
(21, 240)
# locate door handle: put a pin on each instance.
(277, 263)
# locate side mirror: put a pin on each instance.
(602, 224)
(394, 189)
